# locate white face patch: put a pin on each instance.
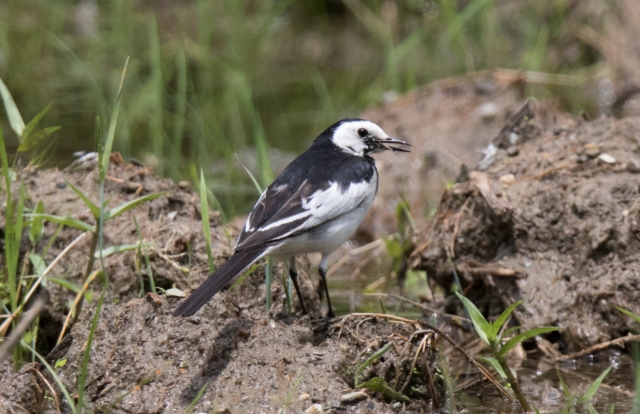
(346, 136)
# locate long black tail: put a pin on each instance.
(234, 266)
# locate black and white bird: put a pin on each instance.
(315, 205)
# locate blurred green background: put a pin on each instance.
(209, 79)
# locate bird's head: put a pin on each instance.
(361, 137)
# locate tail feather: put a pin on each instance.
(234, 266)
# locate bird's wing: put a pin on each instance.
(282, 212)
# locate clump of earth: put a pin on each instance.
(551, 215)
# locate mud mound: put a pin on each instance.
(170, 226)
(145, 360)
(553, 219)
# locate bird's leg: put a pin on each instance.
(293, 274)
(322, 269)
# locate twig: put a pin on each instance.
(453, 318)
(5, 324)
(456, 227)
(600, 347)
(48, 384)
(490, 270)
(27, 318)
(346, 257)
(420, 349)
(79, 297)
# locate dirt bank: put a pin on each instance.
(247, 359)
(551, 215)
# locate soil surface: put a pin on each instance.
(549, 214)
(242, 358)
(552, 216)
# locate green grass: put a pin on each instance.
(208, 79)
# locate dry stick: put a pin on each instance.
(5, 324)
(432, 386)
(76, 302)
(601, 346)
(456, 227)
(453, 318)
(27, 318)
(472, 361)
(48, 384)
(346, 257)
(420, 349)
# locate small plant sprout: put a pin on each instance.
(490, 334)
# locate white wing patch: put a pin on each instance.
(325, 205)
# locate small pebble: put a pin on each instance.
(508, 179)
(591, 150)
(512, 151)
(172, 215)
(609, 159)
(184, 185)
(176, 293)
(488, 111)
(353, 397)
(61, 184)
(396, 406)
(633, 166)
(304, 397)
(514, 138)
(314, 409)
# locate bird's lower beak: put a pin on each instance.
(386, 144)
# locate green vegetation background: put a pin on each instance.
(209, 79)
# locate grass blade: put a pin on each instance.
(497, 324)
(629, 314)
(82, 377)
(124, 207)
(31, 126)
(55, 376)
(34, 138)
(118, 249)
(108, 145)
(479, 322)
(565, 388)
(511, 343)
(379, 385)
(181, 106)
(15, 119)
(496, 365)
(95, 210)
(196, 399)
(253, 179)
(204, 212)
(67, 221)
(593, 388)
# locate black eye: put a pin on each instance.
(363, 132)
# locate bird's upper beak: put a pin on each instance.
(383, 144)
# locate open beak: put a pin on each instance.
(386, 144)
